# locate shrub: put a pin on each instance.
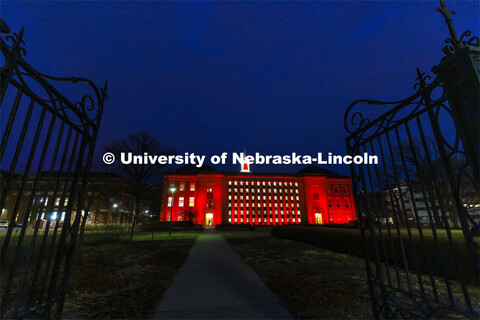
(230, 227)
(349, 241)
(101, 226)
(165, 225)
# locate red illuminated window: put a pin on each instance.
(347, 203)
(210, 204)
(336, 189)
(337, 201)
(329, 203)
(344, 189)
(210, 192)
(328, 189)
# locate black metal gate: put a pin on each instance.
(419, 206)
(46, 153)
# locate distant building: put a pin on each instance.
(107, 192)
(313, 195)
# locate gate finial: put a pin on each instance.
(447, 14)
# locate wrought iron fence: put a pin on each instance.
(46, 153)
(419, 206)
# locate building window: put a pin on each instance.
(347, 203)
(328, 189)
(180, 201)
(182, 186)
(191, 202)
(329, 201)
(170, 200)
(315, 194)
(192, 186)
(57, 202)
(336, 189)
(209, 189)
(344, 188)
(337, 201)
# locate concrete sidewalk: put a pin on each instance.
(215, 283)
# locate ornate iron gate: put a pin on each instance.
(419, 206)
(46, 153)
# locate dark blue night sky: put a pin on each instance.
(272, 77)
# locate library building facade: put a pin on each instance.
(211, 197)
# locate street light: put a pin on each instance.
(172, 189)
(115, 206)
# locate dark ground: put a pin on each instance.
(123, 280)
(313, 283)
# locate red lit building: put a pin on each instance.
(313, 195)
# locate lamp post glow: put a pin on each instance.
(115, 207)
(172, 189)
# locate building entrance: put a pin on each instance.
(209, 219)
(318, 218)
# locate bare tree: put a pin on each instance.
(139, 177)
(188, 214)
(418, 168)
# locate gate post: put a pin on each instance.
(459, 72)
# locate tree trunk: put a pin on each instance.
(132, 228)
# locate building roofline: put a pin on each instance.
(309, 171)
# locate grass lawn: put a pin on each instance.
(125, 279)
(312, 282)
(116, 278)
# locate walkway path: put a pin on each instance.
(215, 283)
